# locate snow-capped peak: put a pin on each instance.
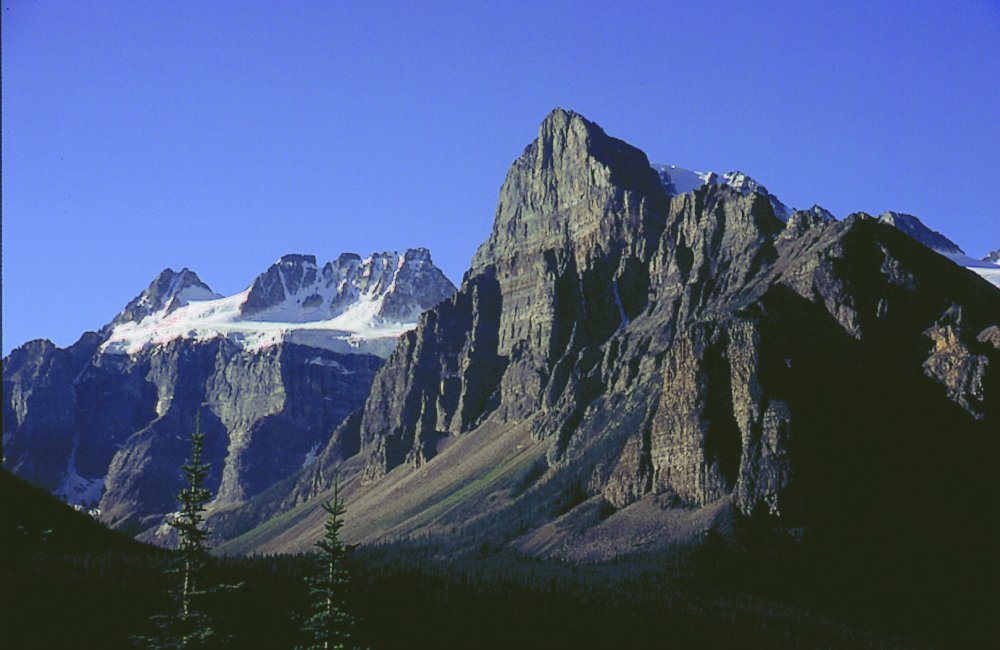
(394, 288)
(350, 305)
(677, 180)
(169, 291)
(915, 228)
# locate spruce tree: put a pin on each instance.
(187, 625)
(330, 625)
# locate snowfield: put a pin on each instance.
(991, 274)
(351, 305)
(357, 330)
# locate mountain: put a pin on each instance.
(165, 294)
(349, 306)
(988, 267)
(269, 372)
(913, 227)
(677, 180)
(637, 355)
(623, 369)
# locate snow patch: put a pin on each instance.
(78, 491)
(352, 332)
(618, 303)
(677, 180)
(992, 275)
(989, 271)
(330, 363)
(311, 456)
(968, 262)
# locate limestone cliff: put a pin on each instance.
(693, 349)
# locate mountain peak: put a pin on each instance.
(287, 276)
(560, 118)
(564, 134)
(803, 220)
(915, 228)
(295, 259)
(167, 292)
(294, 289)
(678, 180)
(351, 305)
(572, 162)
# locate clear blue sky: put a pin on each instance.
(221, 135)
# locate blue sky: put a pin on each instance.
(219, 136)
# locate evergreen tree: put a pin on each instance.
(187, 625)
(330, 624)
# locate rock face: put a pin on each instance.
(108, 429)
(263, 413)
(577, 211)
(993, 257)
(39, 408)
(690, 349)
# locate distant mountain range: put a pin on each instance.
(637, 353)
(270, 372)
(350, 305)
(677, 180)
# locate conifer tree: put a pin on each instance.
(330, 625)
(187, 625)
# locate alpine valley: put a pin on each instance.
(639, 358)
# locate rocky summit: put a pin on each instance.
(626, 366)
(269, 373)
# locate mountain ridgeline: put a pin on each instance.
(623, 368)
(637, 356)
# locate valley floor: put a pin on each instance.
(408, 596)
